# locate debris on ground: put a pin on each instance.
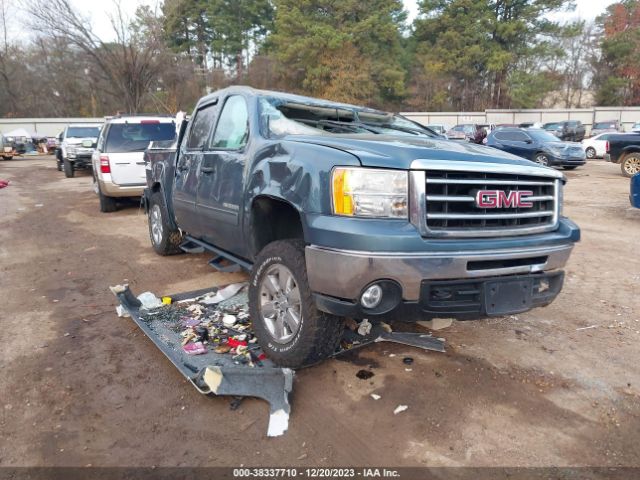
(375, 396)
(364, 374)
(4, 183)
(400, 409)
(407, 360)
(364, 328)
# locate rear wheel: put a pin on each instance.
(7, 157)
(630, 165)
(290, 329)
(107, 204)
(164, 238)
(68, 169)
(541, 159)
(590, 152)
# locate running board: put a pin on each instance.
(190, 247)
(237, 263)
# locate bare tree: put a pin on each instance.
(129, 65)
(6, 67)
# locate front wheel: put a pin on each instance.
(590, 152)
(290, 329)
(541, 159)
(164, 238)
(570, 168)
(630, 165)
(68, 169)
(107, 204)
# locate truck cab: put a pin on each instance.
(384, 226)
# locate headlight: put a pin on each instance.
(368, 192)
(71, 152)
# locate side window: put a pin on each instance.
(201, 127)
(100, 145)
(511, 136)
(501, 136)
(232, 131)
(603, 137)
(520, 136)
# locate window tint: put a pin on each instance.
(603, 137)
(232, 131)
(201, 127)
(135, 137)
(512, 136)
(81, 132)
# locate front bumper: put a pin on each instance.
(80, 160)
(555, 160)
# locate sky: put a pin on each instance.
(99, 11)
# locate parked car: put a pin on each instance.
(604, 127)
(570, 130)
(77, 144)
(118, 160)
(539, 146)
(438, 128)
(596, 146)
(395, 227)
(624, 149)
(463, 131)
(530, 125)
(634, 195)
(636, 127)
(6, 148)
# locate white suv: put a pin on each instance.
(118, 162)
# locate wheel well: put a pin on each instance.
(273, 220)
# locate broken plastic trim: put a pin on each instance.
(222, 376)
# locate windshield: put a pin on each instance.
(604, 125)
(135, 137)
(283, 117)
(542, 136)
(552, 126)
(464, 128)
(83, 132)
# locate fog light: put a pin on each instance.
(371, 297)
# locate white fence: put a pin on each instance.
(627, 116)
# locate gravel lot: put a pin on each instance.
(78, 385)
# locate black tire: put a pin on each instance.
(318, 333)
(107, 204)
(590, 153)
(59, 165)
(541, 159)
(630, 164)
(570, 168)
(69, 171)
(7, 158)
(169, 239)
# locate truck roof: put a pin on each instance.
(241, 89)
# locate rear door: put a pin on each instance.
(188, 167)
(125, 145)
(221, 181)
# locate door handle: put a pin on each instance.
(206, 169)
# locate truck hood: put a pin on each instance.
(393, 151)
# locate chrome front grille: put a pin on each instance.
(450, 208)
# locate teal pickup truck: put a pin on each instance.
(345, 211)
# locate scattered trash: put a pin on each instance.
(229, 320)
(223, 294)
(4, 183)
(407, 360)
(122, 312)
(408, 369)
(400, 409)
(235, 403)
(149, 301)
(39, 205)
(166, 300)
(587, 328)
(196, 348)
(364, 374)
(375, 396)
(364, 328)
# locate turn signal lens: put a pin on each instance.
(370, 192)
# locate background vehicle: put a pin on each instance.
(570, 130)
(603, 127)
(634, 195)
(118, 160)
(530, 125)
(539, 146)
(636, 127)
(624, 149)
(596, 146)
(325, 224)
(438, 128)
(77, 143)
(6, 148)
(463, 131)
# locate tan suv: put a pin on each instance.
(118, 161)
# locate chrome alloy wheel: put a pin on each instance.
(156, 224)
(280, 304)
(632, 165)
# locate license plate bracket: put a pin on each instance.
(508, 296)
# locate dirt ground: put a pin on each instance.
(80, 386)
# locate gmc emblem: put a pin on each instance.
(502, 199)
